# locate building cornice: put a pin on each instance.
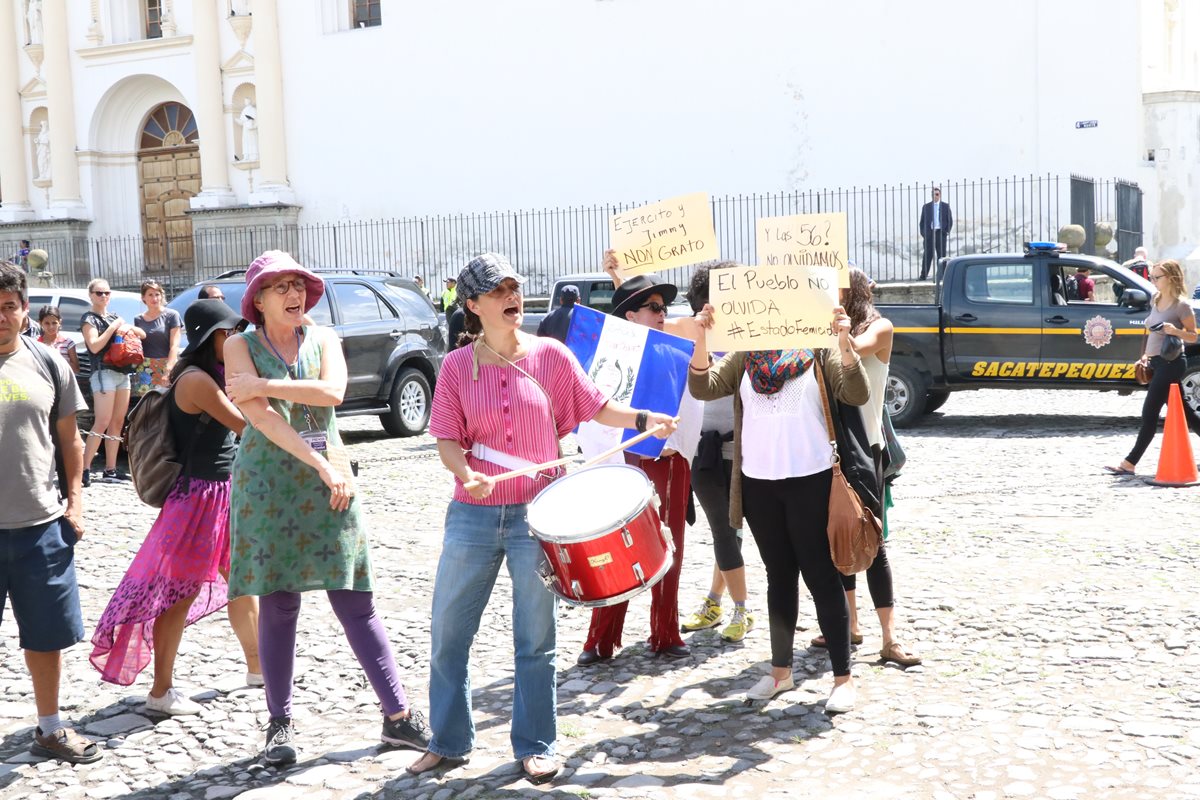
(135, 49)
(1173, 96)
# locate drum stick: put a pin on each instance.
(516, 473)
(623, 445)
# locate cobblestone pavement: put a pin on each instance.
(1055, 609)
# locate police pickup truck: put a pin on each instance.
(1005, 322)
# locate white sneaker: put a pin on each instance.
(841, 699)
(174, 703)
(767, 687)
(254, 679)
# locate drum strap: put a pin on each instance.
(485, 453)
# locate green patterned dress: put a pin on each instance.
(283, 535)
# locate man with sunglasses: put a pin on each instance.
(935, 224)
(643, 300)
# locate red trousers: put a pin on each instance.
(672, 479)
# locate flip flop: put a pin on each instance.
(546, 775)
(1118, 471)
(443, 763)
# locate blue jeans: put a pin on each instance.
(477, 539)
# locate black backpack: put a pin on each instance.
(1072, 284)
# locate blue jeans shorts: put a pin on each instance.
(37, 570)
(108, 380)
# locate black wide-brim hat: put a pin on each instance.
(633, 293)
(203, 318)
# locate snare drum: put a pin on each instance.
(601, 535)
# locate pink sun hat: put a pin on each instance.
(268, 266)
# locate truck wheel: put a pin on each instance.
(935, 400)
(1191, 385)
(409, 405)
(904, 397)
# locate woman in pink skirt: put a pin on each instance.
(179, 574)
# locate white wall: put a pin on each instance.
(477, 105)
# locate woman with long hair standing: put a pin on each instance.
(782, 476)
(296, 524)
(872, 335)
(110, 387)
(505, 398)
(1170, 315)
(161, 344)
(179, 574)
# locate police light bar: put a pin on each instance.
(1044, 247)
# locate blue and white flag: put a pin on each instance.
(632, 364)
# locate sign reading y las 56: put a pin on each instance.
(805, 240)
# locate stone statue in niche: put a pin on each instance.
(248, 119)
(33, 18)
(41, 143)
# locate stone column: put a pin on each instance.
(65, 201)
(215, 189)
(14, 172)
(272, 181)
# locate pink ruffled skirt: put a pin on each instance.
(183, 555)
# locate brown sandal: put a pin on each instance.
(540, 768)
(443, 762)
(892, 651)
(819, 641)
(65, 744)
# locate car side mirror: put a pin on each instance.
(1135, 298)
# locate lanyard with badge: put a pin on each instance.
(313, 437)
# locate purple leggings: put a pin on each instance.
(278, 613)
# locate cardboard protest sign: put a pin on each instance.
(805, 240)
(671, 233)
(772, 308)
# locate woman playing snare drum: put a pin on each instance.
(503, 400)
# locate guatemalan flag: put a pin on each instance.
(632, 364)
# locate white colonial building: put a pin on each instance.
(163, 121)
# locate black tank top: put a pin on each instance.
(211, 458)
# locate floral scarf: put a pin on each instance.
(769, 370)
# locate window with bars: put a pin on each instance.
(366, 13)
(153, 18)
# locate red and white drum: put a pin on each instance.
(601, 534)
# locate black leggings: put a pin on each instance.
(879, 581)
(711, 487)
(1166, 373)
(788, 519)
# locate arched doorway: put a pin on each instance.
(169, 176)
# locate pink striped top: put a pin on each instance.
(508, 412)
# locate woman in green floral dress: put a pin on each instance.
(295, 524)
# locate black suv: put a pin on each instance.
(393, 342)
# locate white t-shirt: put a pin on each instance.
(783, 434)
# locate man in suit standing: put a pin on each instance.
(935, 224)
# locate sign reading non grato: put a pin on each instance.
(671, 233)
(772, 307)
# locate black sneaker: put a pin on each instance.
(113, 476)
(87, 478)
(281, 738)
(411, 731)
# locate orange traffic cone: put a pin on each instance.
(1176, 464)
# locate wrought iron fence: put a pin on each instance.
(990, 215)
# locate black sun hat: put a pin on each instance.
(633, 293)
(203, 318)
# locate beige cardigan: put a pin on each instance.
(848, 384)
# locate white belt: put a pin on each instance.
(511, 462)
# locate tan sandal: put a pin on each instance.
(431, 761)
(819, 641)
(540, 769)
(892, 651)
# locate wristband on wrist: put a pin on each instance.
(640, 423)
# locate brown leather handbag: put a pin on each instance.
(1142, 372)
(855, 534)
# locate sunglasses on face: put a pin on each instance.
(284, 286)
(102, 294)
(1157, 277)
(656, 308)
